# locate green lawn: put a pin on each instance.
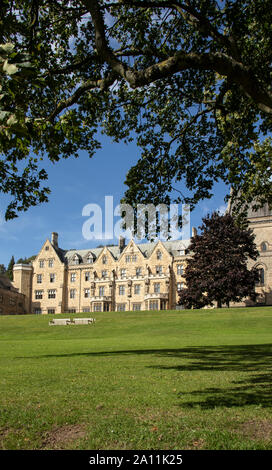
(138, 380)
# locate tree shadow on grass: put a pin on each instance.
(253, 360)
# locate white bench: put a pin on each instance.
(73, 321)
(60, 321)
(83, 321)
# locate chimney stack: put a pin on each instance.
(194, 232)
(122, 243)
(54, 240)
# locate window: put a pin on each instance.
(41, 263)
(157, 287)
(72, 293)
(121, 290)
(123, 273)
(128, 258)
(86, 293)
(153, 305)
(159, 254)
(180, 269)
(50, 310)
(37, 311)
(39, 278)
(136, 307)
(179, 286)
(86, 309)
(261, 280)
(76, 259)
(97, 307)
(50, 263)
(71, 310)
(121, 307)
(38, 294)
(87, 276)
(263, 246)
(101, 291)
(47, 248)
(138, 272)
(134, 258)
(158, 269)
(90, 259)
(52, 277)
(52, 294)
(137, 289)
(104, 260)
(12, 301)
(73, 277)
(104, 274)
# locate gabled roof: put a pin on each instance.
(173, 247)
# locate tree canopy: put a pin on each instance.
(217, 270)
(189, 81)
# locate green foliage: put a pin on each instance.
(2, 269)
(26, 260)
(10, 268)
(217, 270)
(189, 82)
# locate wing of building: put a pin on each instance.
(260, 222)
(12, 302)
(144, 276)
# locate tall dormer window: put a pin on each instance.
(76, 259)
(104, 259)
(90, 258)
(159, 254)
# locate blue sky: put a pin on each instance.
(75, 183)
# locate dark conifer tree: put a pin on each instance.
(10, 268)
(218, 270)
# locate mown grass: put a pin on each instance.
(138, 380)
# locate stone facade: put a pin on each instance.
(143, 276)
(11, 301)
(261, 223)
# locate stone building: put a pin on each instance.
(144, 276)
(260, 222)
(12, 302)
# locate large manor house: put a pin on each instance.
(143, 276)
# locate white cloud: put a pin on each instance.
(222, 209)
